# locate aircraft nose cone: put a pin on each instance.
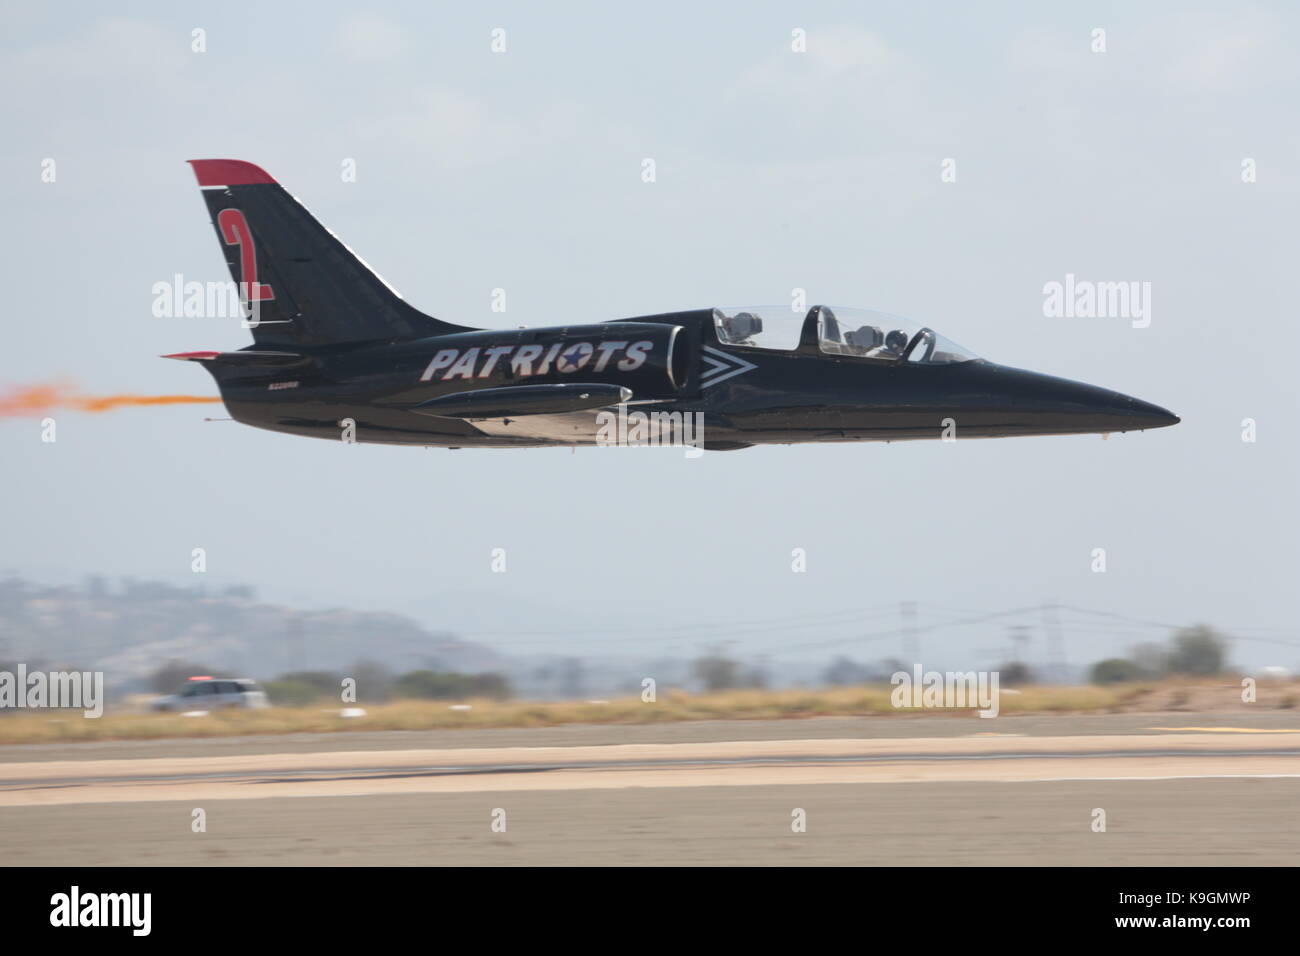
(1153, 415)
(1061, 406)
(1098, 409)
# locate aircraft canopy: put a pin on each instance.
(859, 333)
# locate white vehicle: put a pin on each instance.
(209, 693)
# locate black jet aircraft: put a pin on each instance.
(338, 353)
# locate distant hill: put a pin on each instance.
(127, 630)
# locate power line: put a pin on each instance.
(816, 620)
(1055, 643)
(911, 643)
(1231, 632)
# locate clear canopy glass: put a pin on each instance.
(760, 327)
(859, 333)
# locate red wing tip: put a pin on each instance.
(228, 172)
(192, 356)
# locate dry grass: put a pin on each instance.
(32, 727)
(47, 726)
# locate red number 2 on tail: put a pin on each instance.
(235, 232)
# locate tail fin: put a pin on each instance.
(299, 285)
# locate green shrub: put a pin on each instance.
(437, 685)
(1115, 670)
(291, 693)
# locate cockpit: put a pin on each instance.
(857, 333)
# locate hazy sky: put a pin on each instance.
(776, 170)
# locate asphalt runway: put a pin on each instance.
(1191, 789)
(693, 731)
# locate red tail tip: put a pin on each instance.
(228, 172)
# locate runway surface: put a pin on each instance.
(1196, 789)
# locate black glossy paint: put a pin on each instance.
(787, 397)
(337, 346)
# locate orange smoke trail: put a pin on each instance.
(39, 399)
